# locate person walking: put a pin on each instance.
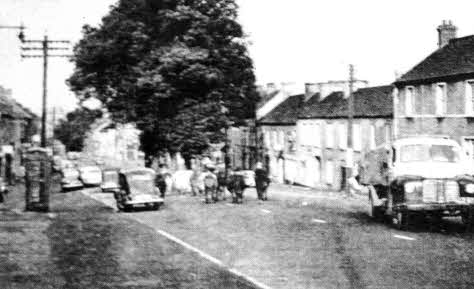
(262, 181)
(163, 173)
(210, 184)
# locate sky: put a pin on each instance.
(289, 41)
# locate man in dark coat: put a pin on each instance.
(236, 186)
(261, 181)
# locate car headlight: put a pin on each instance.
(469, 188)
(411, 187)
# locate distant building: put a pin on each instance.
(278, 131)
(116, 144)
(322, 130)
(436, 97)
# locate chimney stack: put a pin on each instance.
(310, 89)
(446, 32)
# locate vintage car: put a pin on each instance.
(110, 180)
(137, 188)
(69, 176)
(90, 175)
(424, 176)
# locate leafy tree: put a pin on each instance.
(179, 69)
(72, 130)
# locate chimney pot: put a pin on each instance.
(446, 32)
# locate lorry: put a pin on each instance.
(418, 176)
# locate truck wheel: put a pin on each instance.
(401, 220)
(468, 219)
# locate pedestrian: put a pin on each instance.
(236, 186)
(163, 173)
(197, 185)
(210, 184)
(354, 184)
(262, 181)
(222, 179)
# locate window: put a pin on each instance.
(329, 174)
(281, 139)
(356, 137)
(317, 135)
(329, 136)
(372, 143)
(440, 98)
(470, 97)
(266, 136)
(409, 100)
(274, 138)
(342, 135)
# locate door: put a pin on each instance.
(313, 172)
(281, 170)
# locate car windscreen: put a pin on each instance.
(141, 183)
(423, 153)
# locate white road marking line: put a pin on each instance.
(404, 237)
(304, 203)
(265, 211)
(318, 221)
(229, 204)
(199, 252)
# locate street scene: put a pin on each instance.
(211, 144)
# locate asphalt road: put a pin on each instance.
(314, 241)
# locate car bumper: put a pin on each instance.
(72, 184)
(91, 182)
(144, 199)
(448, 209)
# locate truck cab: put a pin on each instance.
(419, 175)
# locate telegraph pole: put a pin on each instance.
(45, 47)
(350, 121)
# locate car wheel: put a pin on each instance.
(120, 207)
(127, 208)
(156, 207)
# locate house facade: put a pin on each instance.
(436, 97)
(322, 132)
(277, 132)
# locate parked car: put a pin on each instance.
(70, 177)
(137, 189)
(425, 176)
(110, 180)
(90, 175)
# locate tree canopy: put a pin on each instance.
(178, 69)
(72, 130)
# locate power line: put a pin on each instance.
(45, 48)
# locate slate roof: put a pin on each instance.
(286, 113)
(369, 102)
(455, 58)
(10, 107)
